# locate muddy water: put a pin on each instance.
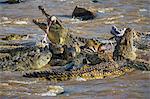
(128, 13)
(132, 86)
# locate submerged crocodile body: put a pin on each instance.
(15, 37)
(25, 58)
(99, 71)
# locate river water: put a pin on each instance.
(122, 13)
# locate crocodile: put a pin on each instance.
(54, 29)
(24, 58)
(125, 47)
(63, 39)
(144, 42)
(98, 71)
(109, 69)
(15, 37)
(90, 48)
(56, 32)
(140, 40)
(121, 48)
(129, 37)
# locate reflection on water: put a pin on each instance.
(134, 13)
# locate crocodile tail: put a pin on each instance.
(39, 74)
(54, 76)
(139, 65)
(61, 76)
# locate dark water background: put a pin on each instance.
(123, 13)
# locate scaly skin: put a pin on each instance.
(22, 60)
(99, 71)
(71, 45)
(60, 36)
(90, 47)
(125, 49)
(140, 64)
(143, 42)
(15, 37)
(102, 70)
(63, 40)
(57, 34)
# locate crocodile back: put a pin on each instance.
(100, 71)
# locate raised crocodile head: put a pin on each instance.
(124, 47)
(56, 32)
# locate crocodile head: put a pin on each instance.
(54, 29)
(57, 34)
(41, 60)
(27, 61)
(124, 47)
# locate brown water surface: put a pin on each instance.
(128, 13)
